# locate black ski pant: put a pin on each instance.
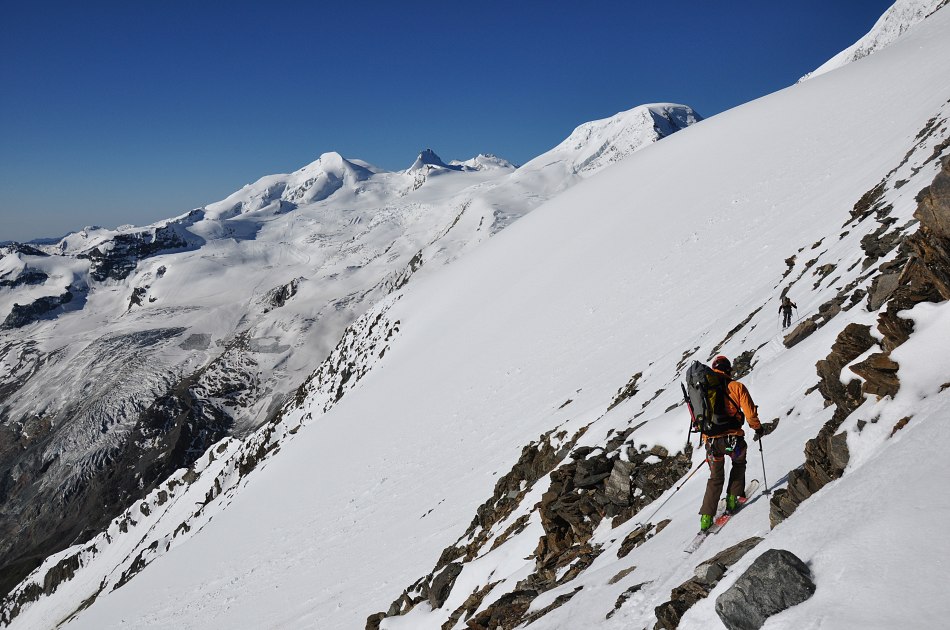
(716, 450)
(786, 318)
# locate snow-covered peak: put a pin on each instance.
(600, 143)
(334, 163)
(312, 183)
(485, 162)
(902, 15)
(427, 159)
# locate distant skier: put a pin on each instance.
(785, 308)
(729, 440)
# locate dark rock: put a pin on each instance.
(27, 250)
(470, 605)
(742, 365)
(124, 251)
(442, 584)
(881, 289)
(20, 316)
(933, 209)
(800, 333)
(28, 276)
(169, 434)
(880, 374)
(278, 296)
(373, 621)
(621, 575)
(776, 581)
(627, 391)
(896, 329)
(723, 560)
(880, 242)
(871, 201)
(591, 471)
(708, 574)
(682, 598)
(791, 265)
(505, 613)
(851, 343)
(633, 540)
(900, 425)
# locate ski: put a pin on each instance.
(722, 517)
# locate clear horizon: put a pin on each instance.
(124, 114)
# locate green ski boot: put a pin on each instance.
(705, 522)
(732, 504)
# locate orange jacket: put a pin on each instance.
(738, 394)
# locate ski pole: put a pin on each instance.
(764, 480)
(695, 470)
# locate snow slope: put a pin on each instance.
(651, 261)
(902, 15)
(214, 318)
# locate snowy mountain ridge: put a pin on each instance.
(541, 371)
(595, 144)
(902, 15)
(138, 349)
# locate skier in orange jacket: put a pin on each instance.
(730, 440)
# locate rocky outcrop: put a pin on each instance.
(278, 296)
(22, 248)
(26, 277)
(537, 460)
(21, 315)
(364, 342)
(597, 485)
(120, 257)
(707, 576)
(776, 581)
(627, 391)
(925, 277)
(592, 485)
(826, 455)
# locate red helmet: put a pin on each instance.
(722, 364)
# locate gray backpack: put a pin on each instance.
(706, 393)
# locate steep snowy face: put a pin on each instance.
(902, 15)
(126, 353)
(596, 144)
(513, 422)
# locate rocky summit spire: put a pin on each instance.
(429, 158)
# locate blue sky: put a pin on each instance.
(130, 112)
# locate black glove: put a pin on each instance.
(758, 434)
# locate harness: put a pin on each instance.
(732, 447)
